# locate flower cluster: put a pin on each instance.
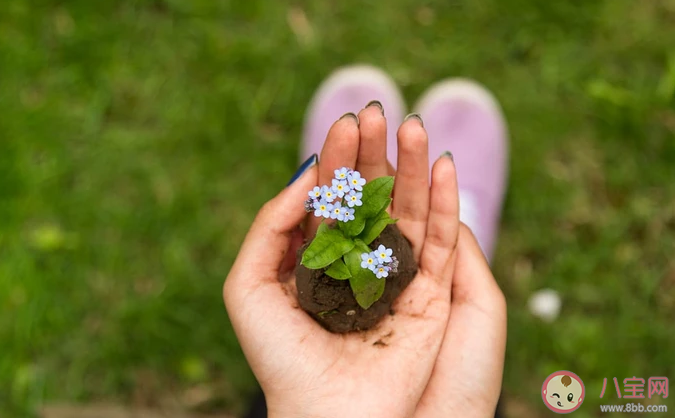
(338, 200)
(381, 262)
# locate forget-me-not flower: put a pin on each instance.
(381, 271)
(322, 208)
(315, 193)
(349, 214)
(356, 182)
(340, 187)
(342, 173)
(368, 261)
(383, 254)
(353, 198)
(337, 212)
(328, 194)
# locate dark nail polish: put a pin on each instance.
(376, 103)
(416, 116)
(352, 115)
(309, 163)
(449, 155)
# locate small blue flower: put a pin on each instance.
(368, 261)
(315, 193)
(342, 173)
(355, 181)
(328, 194)
(349, 214)
(337, 212)
(340, 187)
(381, 271)
(383, 254)
(354, 198)
(322, 208)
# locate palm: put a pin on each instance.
(312, 360)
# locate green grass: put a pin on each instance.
(138, 138)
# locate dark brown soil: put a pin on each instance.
(331, 302)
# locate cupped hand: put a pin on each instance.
(303, 369)
(467, 378)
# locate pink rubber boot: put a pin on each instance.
(349, 89)
(462, 117)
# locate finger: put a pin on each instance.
(443, 221)
(411, 187)
(340, 150)
(471, 360)
(270, 235)
(372, 158)
(471, 261)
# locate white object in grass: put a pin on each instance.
(545, 304)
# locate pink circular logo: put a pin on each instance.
(563, 392)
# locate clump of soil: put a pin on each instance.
(331, 302)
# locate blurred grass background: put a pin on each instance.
(138, 138)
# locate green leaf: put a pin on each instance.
(338, 270)
(354, 227)
(328, 245)
(375, 226)
(376, 195)
(366, 287)
(360, 245)
(375, 199)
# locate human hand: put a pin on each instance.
(305, 370)
(467, 378)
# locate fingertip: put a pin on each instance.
(475, 278)
(345, 128)
(443, 169)
(306, 176)
(372, 157)
(412, 137)
(468, 243)
(289, 202)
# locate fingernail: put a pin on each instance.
(352, 115)
(309, 163)
(449, 155)
(376, 103)
(416, 116)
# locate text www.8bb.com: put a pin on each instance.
(634, 407)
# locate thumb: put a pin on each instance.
(471, 360)
(270, 235)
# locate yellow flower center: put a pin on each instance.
(370, 261)
(322, 207)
